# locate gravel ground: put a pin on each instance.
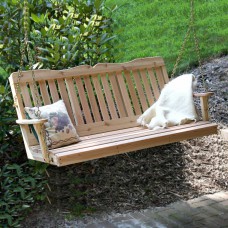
(147, 178)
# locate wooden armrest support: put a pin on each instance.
(32, 121)
(207, 94)
(38, 126)
(204, 103)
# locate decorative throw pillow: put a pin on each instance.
(59, 129)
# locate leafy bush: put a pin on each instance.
(21, 181)
(62, 34)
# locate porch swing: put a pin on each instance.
(103, 103)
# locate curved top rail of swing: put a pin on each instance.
(45, 74)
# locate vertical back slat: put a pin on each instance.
(126, 98)
(25, 95)
(44, 93)
(160, 79)
(92, 99)
(117, 95)
(74, 101)
(165, 75)
(139, 87)
(154, 84)
(108, 95)
(35, 95)
(64, 96)
(100, 97)
(53, 90)
(84, 103)
(134, 98)
(148, 91)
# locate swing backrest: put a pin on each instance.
(106, 97)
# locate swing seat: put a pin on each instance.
(103, 103)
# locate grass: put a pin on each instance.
(157, 28)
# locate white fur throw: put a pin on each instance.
(175, 105)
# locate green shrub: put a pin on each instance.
(62, 34)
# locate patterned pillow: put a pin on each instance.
(59, 128)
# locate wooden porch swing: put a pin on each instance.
(103, 103)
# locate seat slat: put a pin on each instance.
(121, 135)
(108, 95)
(74, 101)
(132, 144)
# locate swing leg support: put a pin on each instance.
(204, 97)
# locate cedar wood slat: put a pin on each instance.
(146, 84)
(141, 93)
(84, 102)
(25, 95)
(74, 102)
(53, 90)
(100, 97)
(165, 75)
(122, 134)
(126, 99)
(160, 78)
(134, 98)
(108, 95)
(117, 95)
(35, 94)
(88, 70)
(154, 83)
(92, 99)
(65, 98)
(135, 143)
(44, 93)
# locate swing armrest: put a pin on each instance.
(38, 126)
(204, 103)
(31, 121)
(207, 94)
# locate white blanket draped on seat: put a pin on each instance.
(175, 105)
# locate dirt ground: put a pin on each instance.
(147, 178)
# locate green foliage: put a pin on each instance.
(62, 34)
(157, 28)
(21, 186)
(21, 181)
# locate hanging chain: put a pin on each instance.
(181, 52)
(23, 47)
(197, 49)
(196, 42)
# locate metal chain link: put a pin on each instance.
(196, 42)
(23, 47)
